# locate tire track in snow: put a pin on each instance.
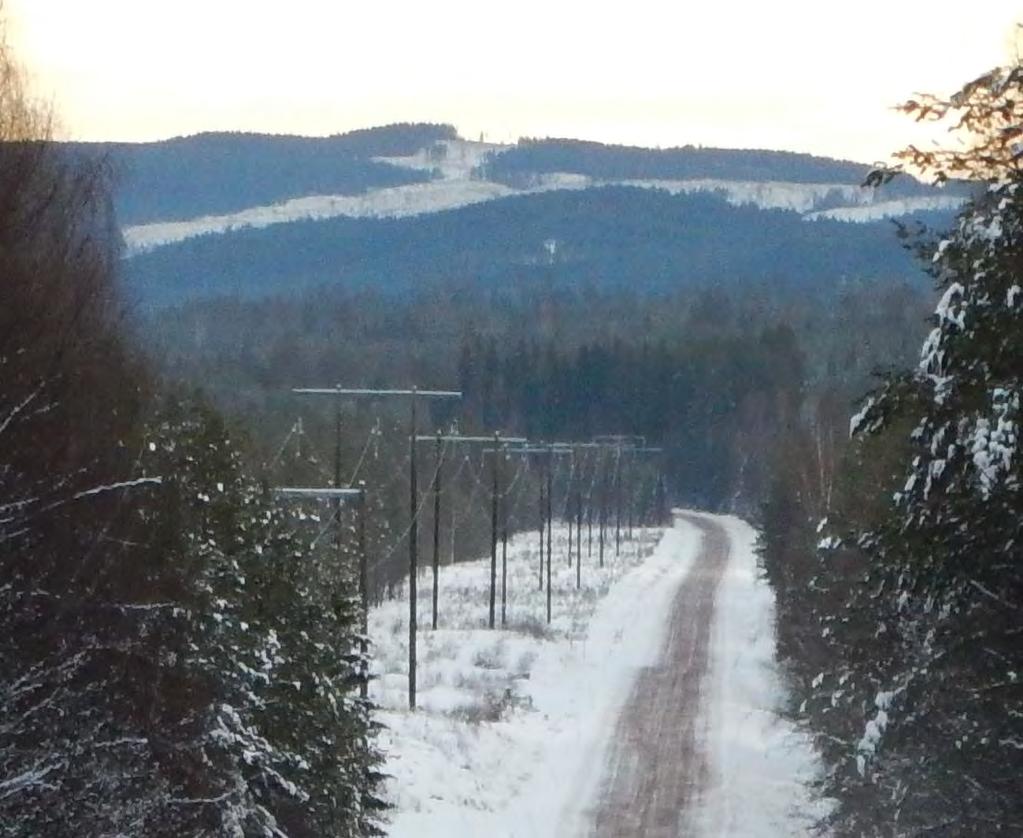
(655, 767)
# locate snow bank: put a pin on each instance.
(761, 765)
(513, 724)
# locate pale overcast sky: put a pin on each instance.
(806, 75)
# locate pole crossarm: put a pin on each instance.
(556, 450)
(471, 439)
(364, 391)
(311, 492)
(413, 394)
(620, 440)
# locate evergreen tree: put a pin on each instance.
(940, 699)
(266, 648)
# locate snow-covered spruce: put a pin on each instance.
(205, 684)
(939, 700)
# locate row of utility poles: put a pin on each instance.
(625, 448)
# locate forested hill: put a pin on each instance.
(414, 205)
(611, 237)
(532, 157)
(214, 173)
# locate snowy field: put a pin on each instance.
(509, 720)
(512, 726)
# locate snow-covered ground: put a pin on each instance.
(513, 725)
(761, 765)
(510, 720)
(455, 186)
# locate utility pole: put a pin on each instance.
(589, 523)
(545, 506)
(635, 452)
(413, 395)
(363, 596)
(550, 527)
(543, 521)
(630, 495)
(494, 495)
(436, 523)
(622, 443)
(568, 507)
(579, 540)
(499, 443)
(571, 517)
(602, 518)
(413, 556)
(504, 568)
(618, 502)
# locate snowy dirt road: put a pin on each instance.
(656, 766)
(651, 706)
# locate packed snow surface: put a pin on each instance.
(513, 724)
(761, 766)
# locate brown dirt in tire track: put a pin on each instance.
(655, 768)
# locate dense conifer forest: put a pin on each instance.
(177, 652)
(898, 577)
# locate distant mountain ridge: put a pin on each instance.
(400, 205)
(532, 157)
(213, 173)
(608, 237)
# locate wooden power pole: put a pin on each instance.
(413, 395)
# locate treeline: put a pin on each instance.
(176, 656)
(716, 377)
(899, 575)
(530, 158)
(712, 403)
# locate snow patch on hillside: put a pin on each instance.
(761, 766)
(890, 209)
(799, 197)
(392, 202)
(446, 194)
(513, 724)
(450, 159)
